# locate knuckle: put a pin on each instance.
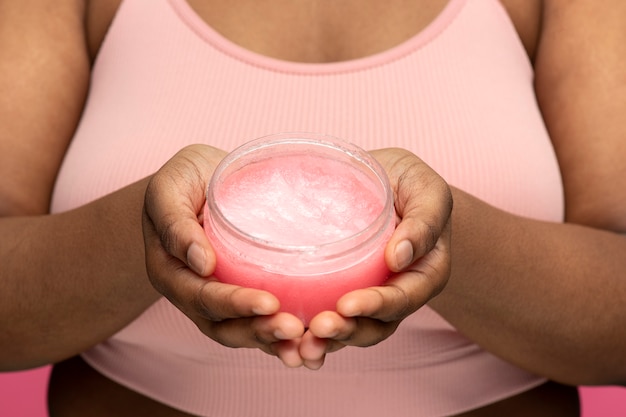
(161, 272)
(220, 335)
(204, 309)
(394, 301)
(169, 234)
(426, 235)
(430, 234)
(372, 332)
(403, 306)
(152, 194)
(262, 340)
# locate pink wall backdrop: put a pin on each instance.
(23, 394)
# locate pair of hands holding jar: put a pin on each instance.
(180, 263)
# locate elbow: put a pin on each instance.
(21, 355)
(14, 359)
(17, 204)
(609, 216)
(596, 373)
(614, 377)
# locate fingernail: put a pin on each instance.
(263, 310)
(280, 335)
(314, 365)
(196, 258)
(404, 254)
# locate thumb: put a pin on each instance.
(423, 203)
(173, 205)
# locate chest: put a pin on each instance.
(461, 97)
(320, 31)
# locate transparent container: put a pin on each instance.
(302, 215)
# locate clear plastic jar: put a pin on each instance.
(301, 215)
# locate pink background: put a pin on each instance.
(23, 394)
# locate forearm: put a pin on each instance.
(72, 279)
(547, 297)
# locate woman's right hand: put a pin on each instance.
(418, 253)
(180, 263)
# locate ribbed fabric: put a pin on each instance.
(459, 95)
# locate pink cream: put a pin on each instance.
(302, 216)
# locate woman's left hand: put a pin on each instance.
(418, 254)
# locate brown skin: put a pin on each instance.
(558, 316)
(560, 306)
(54, 274)
(39, 114)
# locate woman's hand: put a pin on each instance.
(180, 262)
(418, 253)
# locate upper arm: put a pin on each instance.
(581, 88)
(44, 73)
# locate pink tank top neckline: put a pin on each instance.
(214, 38)
(459, 95)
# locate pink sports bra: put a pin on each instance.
(459, 94)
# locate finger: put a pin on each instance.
(168, 274)
(174, 199)
(424, 211)
(266, 333)
(171, 277)
(288, 352)
(330, 327)
(203, 297)
(367, 316)
(423, 203)
(219, 301)
(313, 350)
(339, 331)
(403, 293)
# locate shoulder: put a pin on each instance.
(607, 16)
(579, 79)
(583, 39)
(586, 21)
